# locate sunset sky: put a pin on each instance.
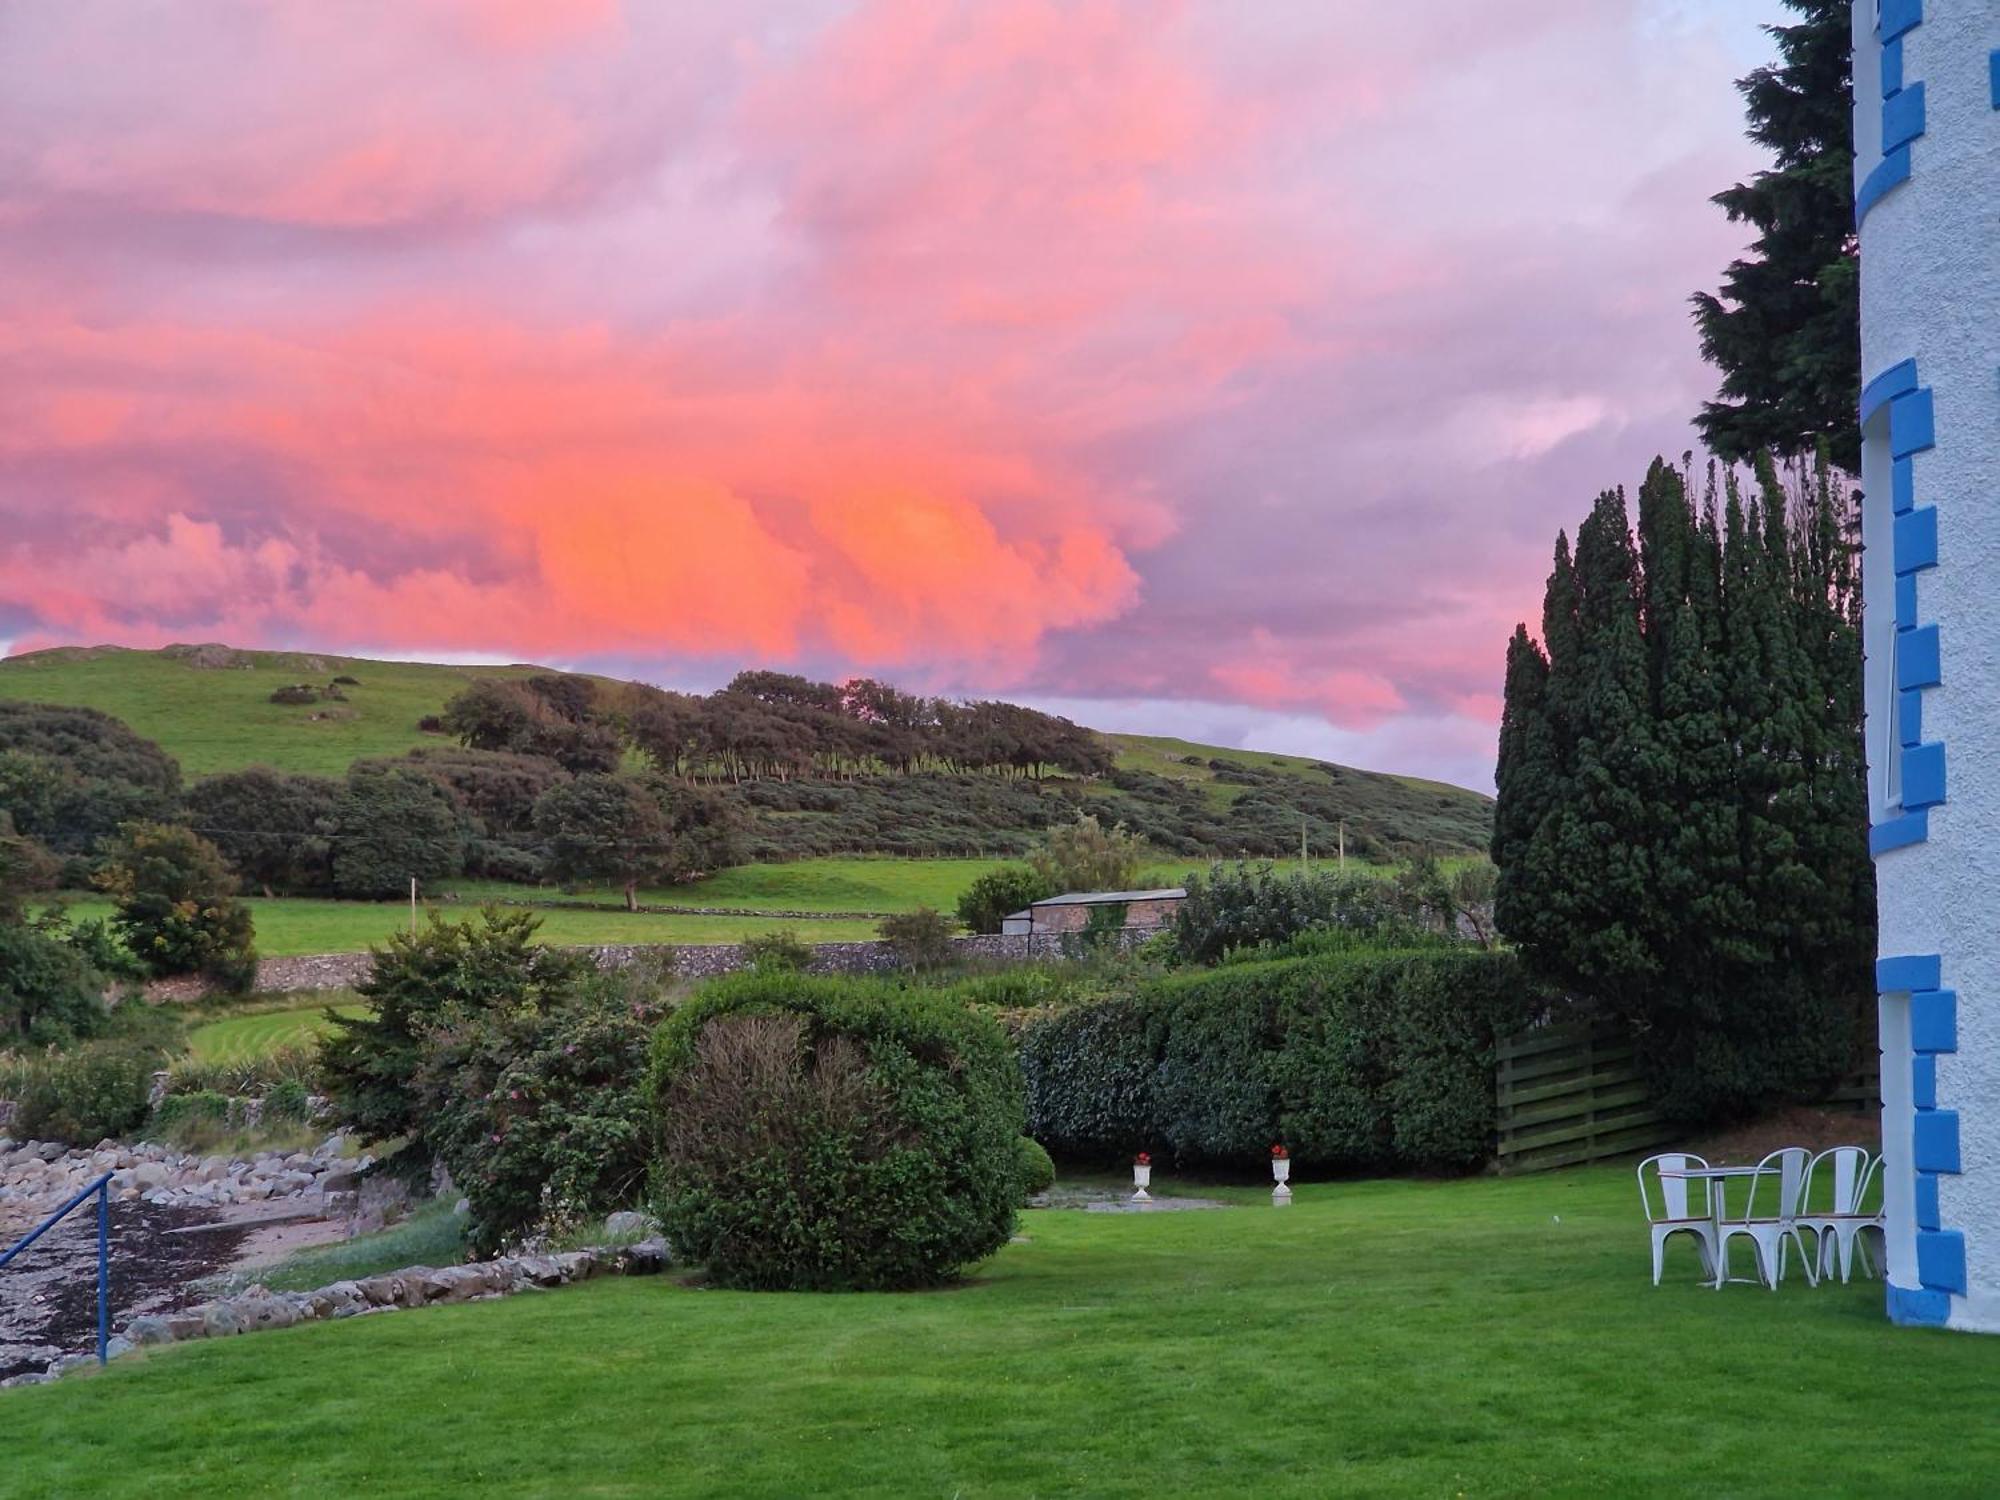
(1211, 367)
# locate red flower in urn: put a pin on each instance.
(1142, 1160)
(1279, 1153)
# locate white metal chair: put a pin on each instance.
(1672, 1216)
(1771, 1235)
(1837, 1230)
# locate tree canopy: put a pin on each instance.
(1785, 327)
(1681, 832)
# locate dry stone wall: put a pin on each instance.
(328, 971)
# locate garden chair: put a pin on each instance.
(1771, 1234)
(1837, 1228)
(1665, 1200)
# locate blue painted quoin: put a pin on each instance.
(1927, 205)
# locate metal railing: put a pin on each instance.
(101, 1190)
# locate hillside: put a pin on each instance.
(209, 706)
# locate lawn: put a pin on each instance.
(1492, 1337)
(240, 1038)
(296, 924)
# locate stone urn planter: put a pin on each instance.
(1142, 1177)
(1281, 1173)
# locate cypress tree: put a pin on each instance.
(1681, 820)
(1785, 328)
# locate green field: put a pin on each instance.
(1481, 1338)
(291, 925)
(219, 718)
(235, 1039)
(870, 885)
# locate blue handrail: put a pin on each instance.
(102, 1189)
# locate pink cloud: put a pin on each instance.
(1111, 349)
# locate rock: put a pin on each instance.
(462, 1208)
(150, 1174)
(150, 1329)
(539, 1270)
(258, 1309)
(68, 1362)
(187, 1325)
(340, 1180)
(625, 1222)
(219, 1320)
(577, 1265)
(382, 1291)
(116, 1347)
(645, 1258)
(340, 1299)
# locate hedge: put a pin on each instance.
(1355, 1061)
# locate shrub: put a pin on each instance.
(1038, 1173)
(777, 953)
(177, 1110)
(1086, 856)
(295, 693)
(1359, 1061)
(1000, 893)
(1243, 906)
(920, 939)
(418, 981)
(49, 991)
(286, 1100)
(177, 907)
(821, 1134)
(82, 1096)
(343, 680)
(540, 1112)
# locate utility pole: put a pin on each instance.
(413, 906)
(1343, 846)
(1304, 862)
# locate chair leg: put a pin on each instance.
(1805, 1262)
(1659, 1256)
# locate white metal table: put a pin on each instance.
(1718, 1180)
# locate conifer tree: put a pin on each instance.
(1785, 326)
(1681, 828)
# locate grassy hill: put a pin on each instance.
(209, 706)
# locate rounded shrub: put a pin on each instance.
(1038, 1173)
(825, 1134)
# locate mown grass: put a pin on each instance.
(1493, 1337)
(288, 925)
(241, 1038)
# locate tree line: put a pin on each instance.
(767, 726)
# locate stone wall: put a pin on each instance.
(326, 971)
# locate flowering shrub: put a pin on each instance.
(1279, 1153)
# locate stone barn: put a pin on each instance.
(1143, 911)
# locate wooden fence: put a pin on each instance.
(1570, 1094)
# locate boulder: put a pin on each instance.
(626, 1221)
(219, 1320)
(150, 1329)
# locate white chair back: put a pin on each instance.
(1788, 1165)
(1671, 1191)
(1850, 1168)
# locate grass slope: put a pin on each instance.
(218, 718)
(1387, 1339)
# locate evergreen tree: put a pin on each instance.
(1693, 856)
(1784, 329)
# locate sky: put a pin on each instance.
(1192, 367)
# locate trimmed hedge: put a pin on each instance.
(821, 1134)
(1357, 1062)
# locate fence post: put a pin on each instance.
(104, 1271)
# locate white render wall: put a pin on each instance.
(1930, 292)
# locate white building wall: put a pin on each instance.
(1930, 353)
